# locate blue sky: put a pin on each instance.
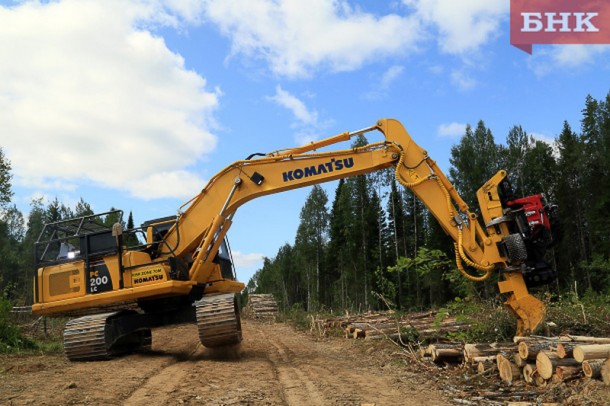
(136, 104)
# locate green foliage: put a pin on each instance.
(489, 321)
(5, 180)
(586, 315)
(474, 161)
(11, 338)
(385, 284)
(297, 316)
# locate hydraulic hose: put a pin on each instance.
(460, 255)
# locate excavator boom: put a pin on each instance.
(184, 263)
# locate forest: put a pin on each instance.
(375, 245)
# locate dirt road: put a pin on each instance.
(275, 365)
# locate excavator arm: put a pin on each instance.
(480, 248)
(182, 272)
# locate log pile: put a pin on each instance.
(261, 306)
(535, 360)
(387, 325)
(528, 368)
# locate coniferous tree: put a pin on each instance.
(310, 241)
(596, 168)
(574, 242)
(82, 209)
(5, 180)
(518, 145)
(473, 162)
(339, 248)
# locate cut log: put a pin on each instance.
(529, 339)
(509, 372)
(472, 351)
(261, 306)
(586, 339)
(563, 338)
(380, 331)
(565, 350)
(447, 354)
(391, 336)
(484, 367)
(592, 368)
(529, 371)
(547, 362)
(375, 326)
(591, 351)
(566, 373)
(605, 372)
(529, 350)
(500, 358)
(520, 362)
(487, 359)
(539, 381)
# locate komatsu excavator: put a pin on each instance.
(121, 283)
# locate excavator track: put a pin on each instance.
(218, 321)
(93, 338)
(85, 338)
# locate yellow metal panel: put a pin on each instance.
(62, 281)
(169, 288)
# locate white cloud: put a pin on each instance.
(243, 261)
(296, 106)
(307, 124)
(544, 138)
(452, 130)
(298, 37)
(90, 94)
(183, 184)
(389, 76)
(462, 80)
(548, 59)
(381, 86)
(465, 25)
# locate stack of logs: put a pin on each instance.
(261, 306)
(387, 325)
(535, 360)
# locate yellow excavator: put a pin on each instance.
(121, 283)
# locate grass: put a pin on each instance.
(28, 334)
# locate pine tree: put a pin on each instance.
(131, 238)
(573, 246)
(311, 239)
(82, 209)
(518, 145)
(5, 180)
(340, 246)
(595, 126)
(473, 162)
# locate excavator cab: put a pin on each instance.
(224, 259)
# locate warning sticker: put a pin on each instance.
(145, 276)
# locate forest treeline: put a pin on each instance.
(376, 245)
(374, 242)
